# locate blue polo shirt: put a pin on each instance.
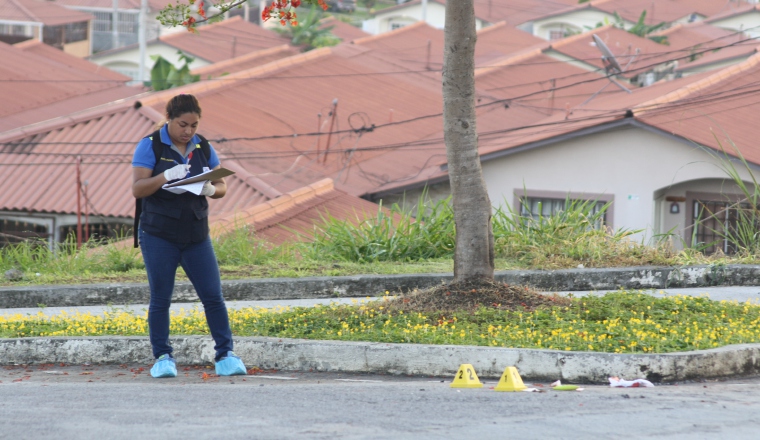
(144, 157)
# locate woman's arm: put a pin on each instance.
(144, 183)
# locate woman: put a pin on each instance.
(174, 231)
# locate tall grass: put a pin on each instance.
(241, 248)
(392, 235)
(66, 261)
(574, 235)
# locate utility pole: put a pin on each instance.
(86, 212)
(79, 203)
(115, 25)
(332, 122)
(141, 31)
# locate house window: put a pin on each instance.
(57, 36)
(102, 22)
(15, 29)
(556, 34)
(16, 231)
(537, 207)
(717, 222)
(96, 231)
(395, 26)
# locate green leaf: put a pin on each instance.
(160, 74)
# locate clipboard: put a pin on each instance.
(208, 175)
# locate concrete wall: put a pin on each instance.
(79, 49)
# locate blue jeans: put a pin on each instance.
(162, 258)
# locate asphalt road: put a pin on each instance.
(124, 402)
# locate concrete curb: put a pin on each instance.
(409, 359)
(376, 285)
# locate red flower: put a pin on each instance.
(295, 3)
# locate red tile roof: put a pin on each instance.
(224, 40)
(43, 83)
(40, 11)
(293, 216)
(43, 158)
(731, 54)
(717, 111)
(502, 39)
(635, 54)
(417, 46)
(700, 33)
(68, 61)
(245, 62)
(341, 29)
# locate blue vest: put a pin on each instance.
(181, 218)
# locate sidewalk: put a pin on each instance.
(409, 359)
(716, 293)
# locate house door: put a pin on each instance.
(719, 224)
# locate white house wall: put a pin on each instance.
(435, 16)
(127, 61)
(749, 23)
(580, 20)
(633, 165)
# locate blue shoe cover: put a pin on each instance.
(230, 365)
(164, 367)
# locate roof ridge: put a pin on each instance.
(497, 25)
(573, 38)
(394, 32)
(206, 86)
(697, 86)
(27, 43)
(251, 180)
(510, 59)
(246, 57)
(271, 208)
(672, 29)
(74, 118)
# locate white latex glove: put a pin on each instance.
(208, 189)
(177, 172)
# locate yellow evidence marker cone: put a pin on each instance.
(510, 381)
(466, 378)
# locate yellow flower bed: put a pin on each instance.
(621, 322)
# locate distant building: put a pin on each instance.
(47, 22)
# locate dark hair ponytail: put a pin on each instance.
(181, 104)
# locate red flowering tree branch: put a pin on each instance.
(193, 12)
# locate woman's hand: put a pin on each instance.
(177, 172)
(208, 189)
